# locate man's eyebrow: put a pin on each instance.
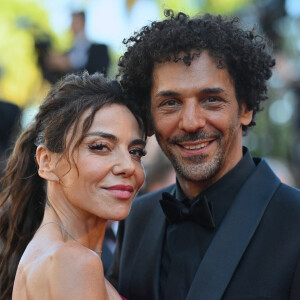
(216, 90)
(103, 135)
(167, 93)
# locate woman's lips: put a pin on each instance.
(121, 191)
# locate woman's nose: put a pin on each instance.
(124, 165)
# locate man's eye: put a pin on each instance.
(212, 99)
(170, 102)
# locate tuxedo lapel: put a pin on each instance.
(148, 255)
(234, 235)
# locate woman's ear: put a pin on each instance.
(47, 161)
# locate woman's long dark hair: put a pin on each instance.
(23, 196)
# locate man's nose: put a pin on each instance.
(192, 116)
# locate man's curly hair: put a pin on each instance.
(244, 53)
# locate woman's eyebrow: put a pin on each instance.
(138, 142)
(103, 135)
(114, 138)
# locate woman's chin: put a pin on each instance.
(120, 215)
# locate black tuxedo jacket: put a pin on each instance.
(255, 253)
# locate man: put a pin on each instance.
(83, 55)
(228, 229)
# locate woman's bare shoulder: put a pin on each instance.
(76, 272)
(71, 249)
(33, 271)
(66, 271)
(63, 270)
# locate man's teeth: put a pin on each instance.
(194, 147)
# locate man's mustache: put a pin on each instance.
(193, 136)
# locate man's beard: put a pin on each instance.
(196, 168)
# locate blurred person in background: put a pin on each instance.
(73, 169)
(159, 172)
(83, 54)
(229, 228)
(9, 128)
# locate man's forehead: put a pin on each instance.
(199, 61)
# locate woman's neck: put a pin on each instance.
(89, 232)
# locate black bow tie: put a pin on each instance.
(176, 211)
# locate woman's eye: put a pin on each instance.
(138, 153)
(98, 147)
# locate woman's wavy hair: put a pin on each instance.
(244, 53)
(23, 196)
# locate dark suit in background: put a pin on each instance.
(98, 59)
(108, 247)
(9, 128)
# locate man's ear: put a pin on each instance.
(47, 162)
(245, 115)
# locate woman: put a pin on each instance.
(77, 166)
